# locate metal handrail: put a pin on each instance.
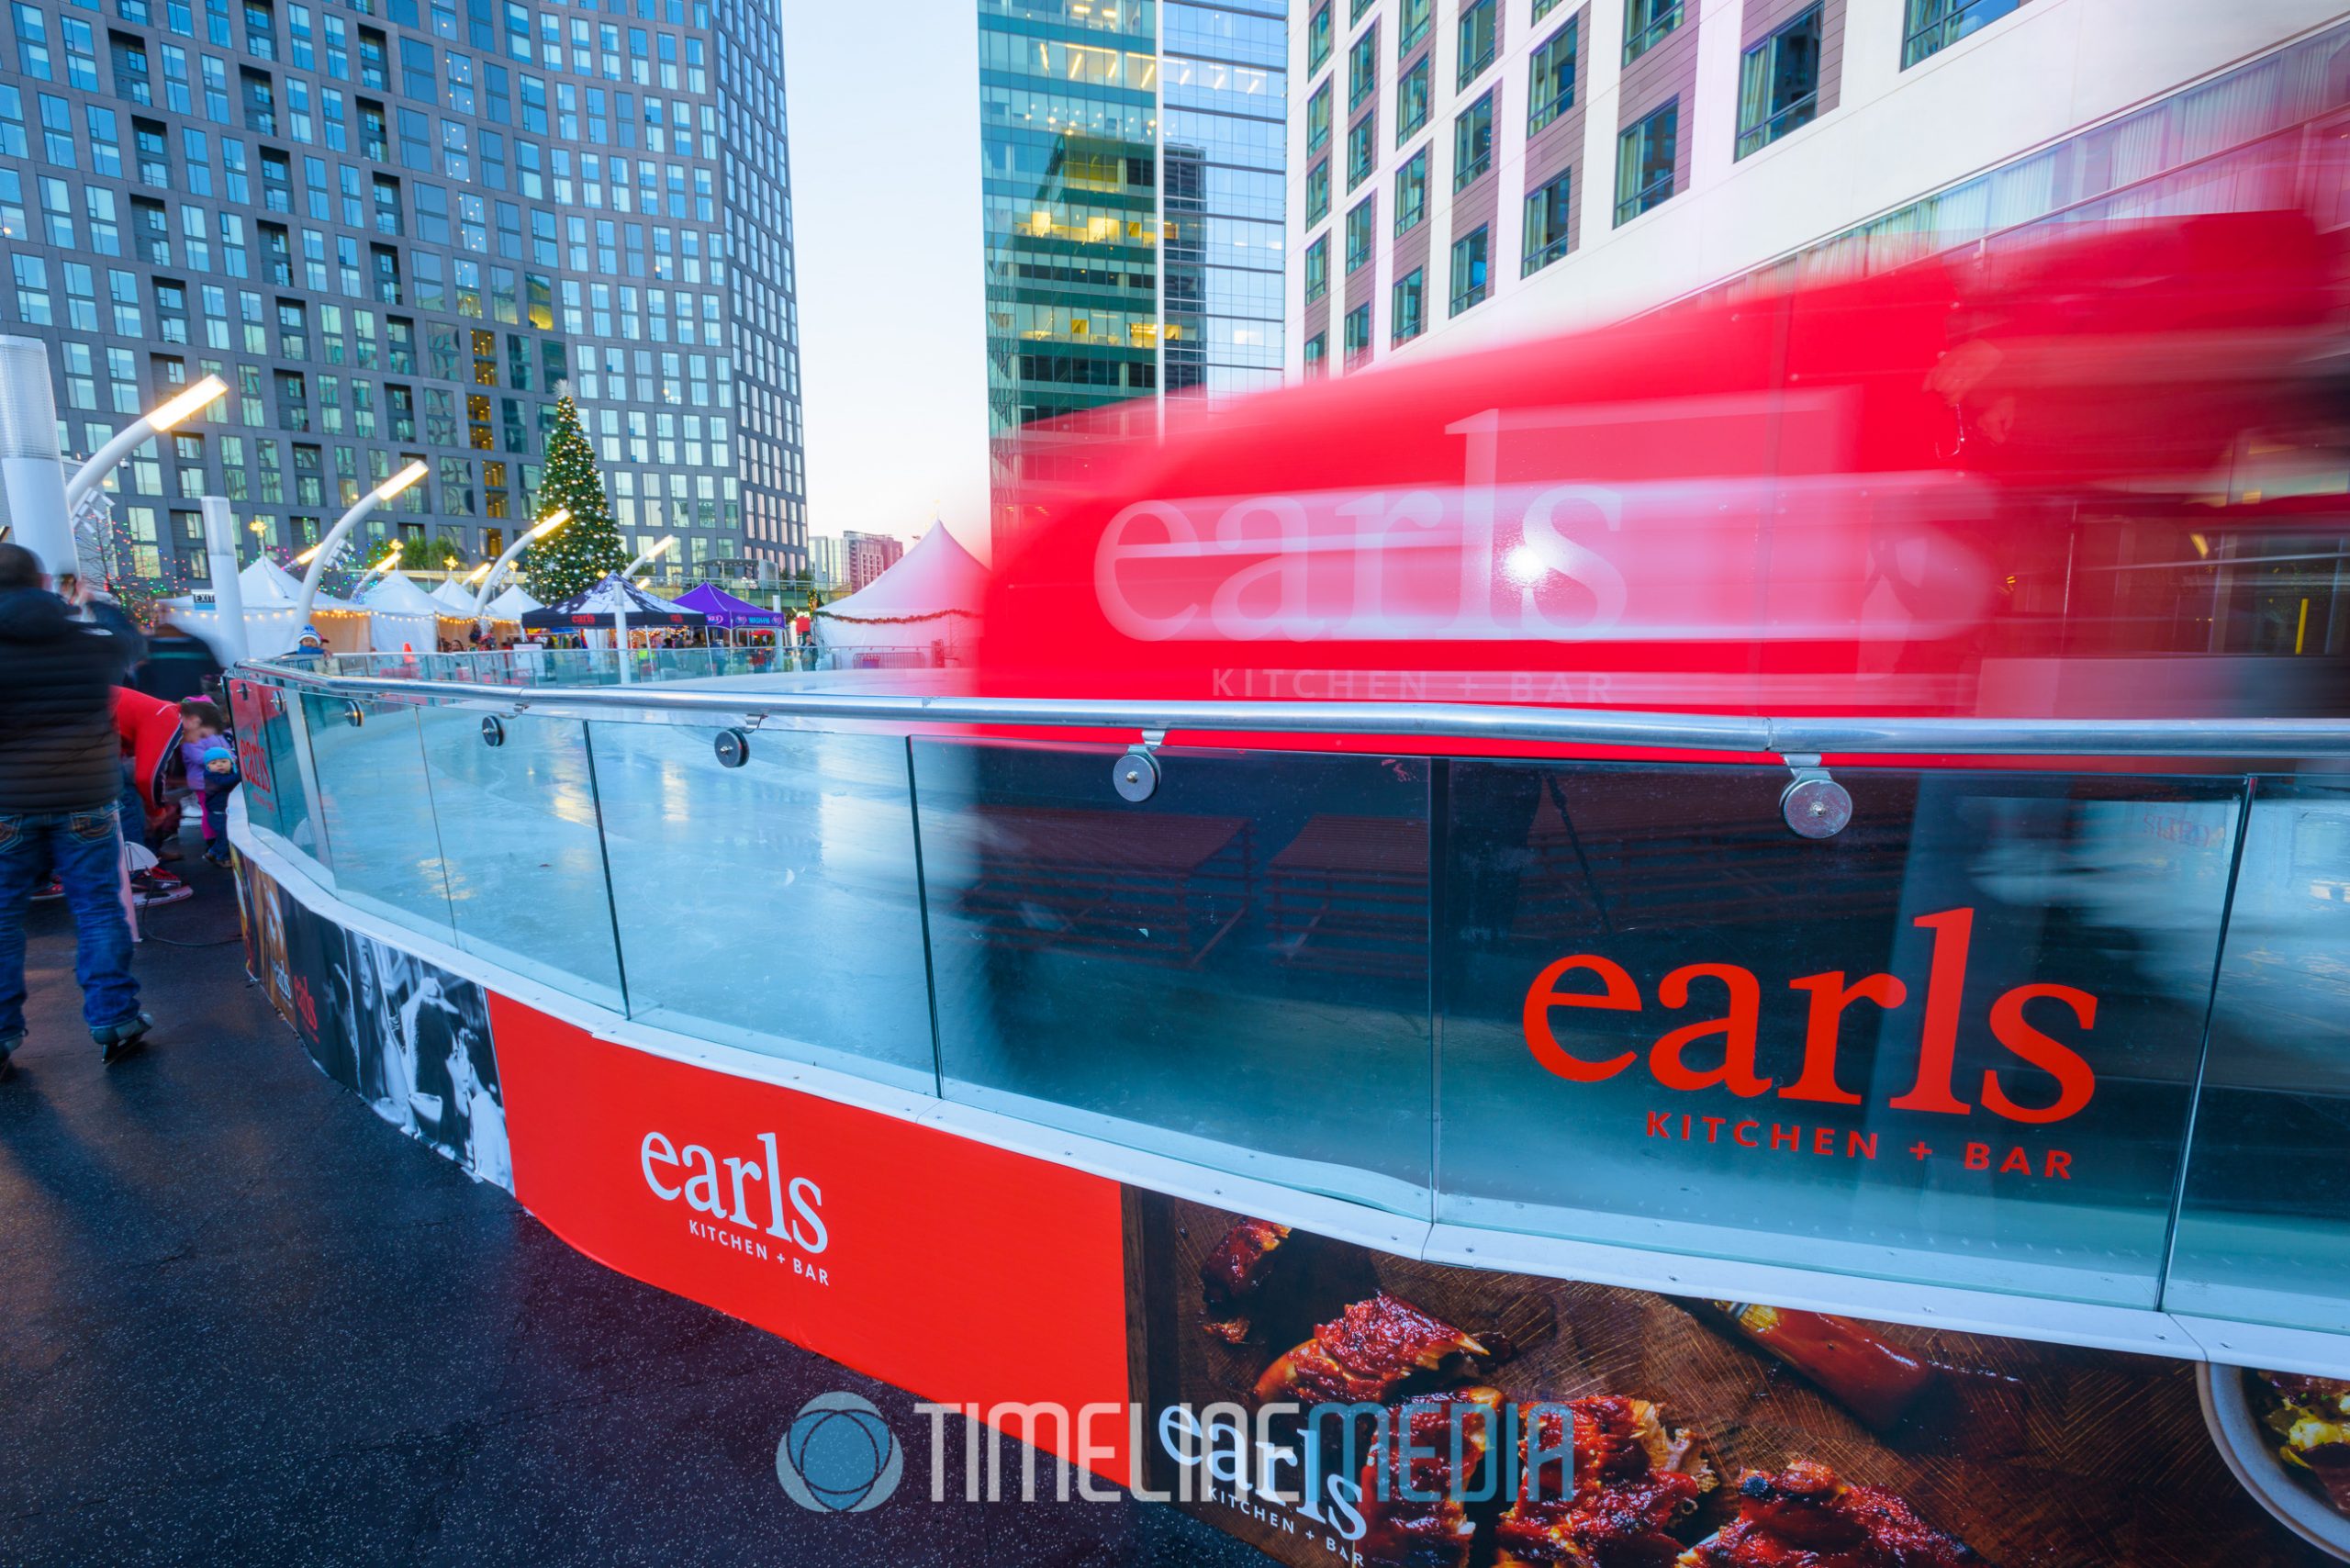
(1722, 734)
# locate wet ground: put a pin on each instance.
(241, 1320)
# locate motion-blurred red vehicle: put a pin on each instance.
(2101, 475)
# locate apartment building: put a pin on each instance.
(401, 231)
(1468, 170)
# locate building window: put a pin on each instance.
(1362, 150)
(1644, 162)
(1318, 120)
(1472, 141)
(1319, 40)
(1544, 7)
(1546, 211)
(1648, 23)
(1412, 100)
(1936, 24)
(1469, 272)
(1317, 193)
(1317, 356)
(1778, 84)
(1357, 332)
(1479, 30)
(1317, 269)
(1361, 227)
(1362, 67)
(1408, 307)
(1553, 91)
(1418, 17)
(1411, 191)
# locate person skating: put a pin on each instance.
(61, 780)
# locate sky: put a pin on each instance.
(884, 123)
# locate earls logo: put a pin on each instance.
(1935, 1088)
(751, 1199)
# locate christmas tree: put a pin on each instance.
(577, 555)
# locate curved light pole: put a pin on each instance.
(547, 525)
(335, 536)
(620, 610)
(171, 412)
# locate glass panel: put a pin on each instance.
(376, 810)
(282, 734)
(774, 906)
(1955, 1043)
(2264, 1228)
(521, 849)
(1233, 971)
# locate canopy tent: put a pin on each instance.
(456, 600)
(730, 614)
(592, 608)
(931, 596)
(405, 614)
(270, 593)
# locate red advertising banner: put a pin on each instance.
(960, 1272)
(249, 707)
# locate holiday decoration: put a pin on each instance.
(583, 552)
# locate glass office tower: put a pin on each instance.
(401, 230)
(1132, 215)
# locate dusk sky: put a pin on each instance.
(885, 174)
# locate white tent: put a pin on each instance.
(456, 600)
(930, 597)
(270, 592)
(509, 605)
(404, 613)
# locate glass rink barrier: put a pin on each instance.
(2065, 1016)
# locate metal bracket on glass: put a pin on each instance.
(493, 730)
(1814, 805)
(353, 714)
(1135, 775)
(733, 747)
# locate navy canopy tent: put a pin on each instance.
(592, 609)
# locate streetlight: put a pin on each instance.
(391, 558)
(344, 525)
(547, 525)
(620, 610)
(171, 412)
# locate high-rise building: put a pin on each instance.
(864, 556)
(1479, 169)
(824, 568)
(401, 232)
(1132, 155)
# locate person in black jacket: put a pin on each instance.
(60, 780)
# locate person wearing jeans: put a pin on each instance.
(84, 849)
(60, 780)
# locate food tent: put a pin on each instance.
(456, 600)
(591, 610)
(405, 614)
(930, 598)
(270, 592)
(734, 616)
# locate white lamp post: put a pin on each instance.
(173, 411)
(324, 551)
(547, 525)
(620, 610)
